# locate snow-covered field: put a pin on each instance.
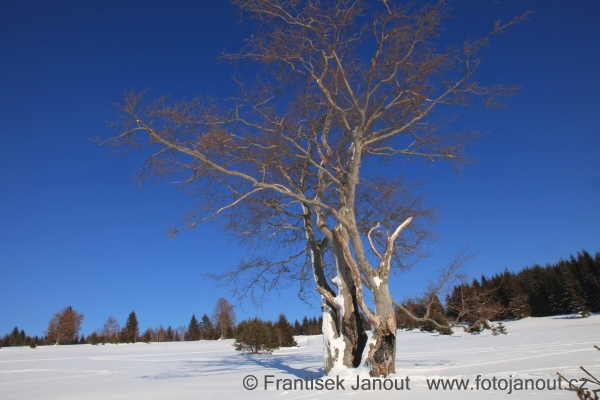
(535, 348)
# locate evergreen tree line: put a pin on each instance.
(570, 286)
(309, 326)
(18, 338)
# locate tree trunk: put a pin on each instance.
(353, 331)
(382, 347)
(344, 336)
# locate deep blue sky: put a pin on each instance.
(75, 229)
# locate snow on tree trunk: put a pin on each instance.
(353, 330)
(344, 336)
(333, 343)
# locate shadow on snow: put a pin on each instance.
(241, 363)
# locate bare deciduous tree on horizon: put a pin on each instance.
(111, 330)
(224, 318)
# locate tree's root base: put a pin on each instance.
(383, 358)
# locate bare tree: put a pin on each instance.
(111, 330)
(295, 155)
(64, 326)
(224, 318)
(310, 258)
(160, 335)
(475, 306)
(180, 332)
(440, 287)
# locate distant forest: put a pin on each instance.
(570, 286)
(64, 327)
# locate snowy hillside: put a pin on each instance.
(534, 349)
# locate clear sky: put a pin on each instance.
(76, 230)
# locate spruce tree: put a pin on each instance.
(193, 332)
(21, 338)
(314, 326)
(147, 336)
(305, 326)
(14, 340)
(207, 331)
(131, 330)
(170, 335)
(93, 339)
(589, 272)
(519, 307)
(297, 328)
(284, 332)
(499, 329)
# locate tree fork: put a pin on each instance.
(381, 356)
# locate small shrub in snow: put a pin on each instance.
(445, 331)
(474, 329)
(499, 329)
(584, 312)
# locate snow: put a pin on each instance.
(377, 281)
(535, 348)
(336, 345)
(336, 280)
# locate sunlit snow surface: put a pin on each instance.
(535, 348)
